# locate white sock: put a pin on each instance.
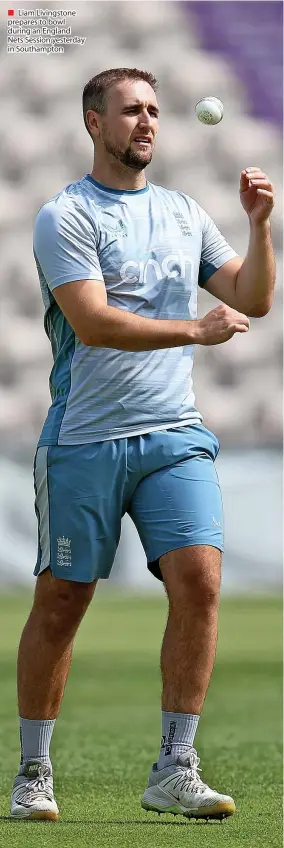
(178, 733)
(35, 736)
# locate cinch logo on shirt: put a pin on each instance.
(172, 266)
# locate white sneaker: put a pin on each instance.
(32, 795)
(178, 789)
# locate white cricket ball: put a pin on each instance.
(209, 110)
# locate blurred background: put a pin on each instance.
(232, 50)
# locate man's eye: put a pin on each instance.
(136, 110)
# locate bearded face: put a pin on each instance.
(135, 154)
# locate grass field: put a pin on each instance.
(109, 730)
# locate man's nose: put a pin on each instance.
(145, 118)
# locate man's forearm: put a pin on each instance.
(122, 330)
(256, 278)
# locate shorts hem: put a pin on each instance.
(70, 577)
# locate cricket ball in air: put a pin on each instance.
(209, 110)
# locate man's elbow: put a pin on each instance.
(260, 309)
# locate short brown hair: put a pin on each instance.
(94, 93)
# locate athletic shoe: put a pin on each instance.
(178, 789)
(32, 795)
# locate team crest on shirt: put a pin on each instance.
(182, 224)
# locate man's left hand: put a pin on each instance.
(257, 194)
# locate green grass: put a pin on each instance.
(109, 730)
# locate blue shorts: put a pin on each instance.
(166, 481)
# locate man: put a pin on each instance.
(119, 260)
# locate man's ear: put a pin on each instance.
(92, 119)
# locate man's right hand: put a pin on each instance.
(220, 325)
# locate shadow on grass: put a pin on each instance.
(102, 822)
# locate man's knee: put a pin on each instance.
(60, 604)
(191, 574)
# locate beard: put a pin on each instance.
(128, 157)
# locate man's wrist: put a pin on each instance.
(260, 228)
(194, 332)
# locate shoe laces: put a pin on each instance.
(39, 784)
(33, 789)
(191, 780)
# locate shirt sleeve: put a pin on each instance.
(215, 249)
(65, 244)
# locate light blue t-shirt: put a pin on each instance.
(152, 248)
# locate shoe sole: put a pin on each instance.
(220, 811)
(39, 815)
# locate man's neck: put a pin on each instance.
(118, 177)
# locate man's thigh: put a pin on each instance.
(180, 504)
